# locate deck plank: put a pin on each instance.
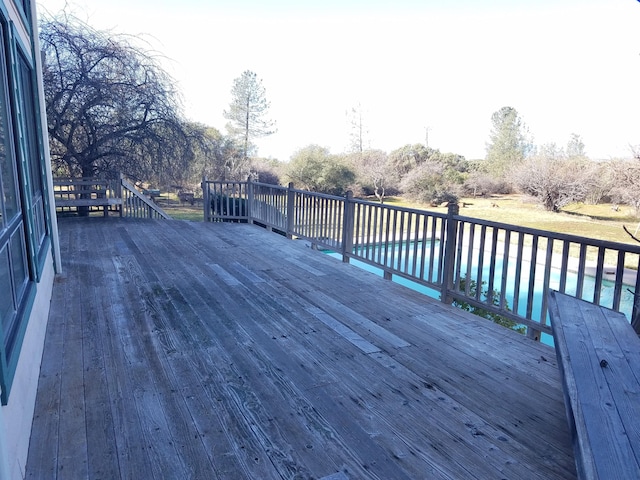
(72, 455)
(225, 351)
(100, 438)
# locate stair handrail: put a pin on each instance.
(131, 200)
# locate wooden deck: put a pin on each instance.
(189, 350)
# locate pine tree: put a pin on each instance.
(247, 111)
(508, 143)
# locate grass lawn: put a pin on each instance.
(592, 221)
(181, 210)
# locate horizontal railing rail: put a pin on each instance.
(503, 270)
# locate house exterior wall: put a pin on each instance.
(34, 241)
(17, 415)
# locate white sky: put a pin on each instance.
(565, 65)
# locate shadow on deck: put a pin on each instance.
(193, 350)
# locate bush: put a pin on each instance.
(427, 184)
(493, 298)
(225, 206)
(482, 184)
(314, 168)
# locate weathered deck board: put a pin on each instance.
(596, 348)
(191, 350)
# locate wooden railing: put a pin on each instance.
(86, 195)
(138, 205)
(503, 269)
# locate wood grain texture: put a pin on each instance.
(598, 352)
(194, 350)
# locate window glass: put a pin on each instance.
(25, 5)
(21, 232)
(30, 127)
(18, 261)
(30, 148)
(7, 306)
(9, 192)
(14, 266)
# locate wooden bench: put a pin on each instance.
(152, 193)
(187, 197)
(599, 357)
(76, 193)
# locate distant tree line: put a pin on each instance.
(111, 108)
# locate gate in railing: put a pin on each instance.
(502, 269)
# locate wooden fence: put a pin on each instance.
(502, 269)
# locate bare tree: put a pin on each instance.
(216, 156)
(374, 171)
(627, 183)
(110, 106)
(357, 129)
(552, 179)
(600, 181)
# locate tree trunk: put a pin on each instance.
(87, 172)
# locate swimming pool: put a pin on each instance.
(392, 258)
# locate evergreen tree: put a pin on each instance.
(358, 131)
(247, 111)
(508, 143)
(575, 147)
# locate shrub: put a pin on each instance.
(226, 206)
(492, 297)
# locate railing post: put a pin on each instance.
(205, 199)
(449, 260)
(249, 211)
(119, 193)
(635, 312)
(290, 210)
(348, 226)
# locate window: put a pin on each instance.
(25, 6)
(30, 149)
(13, 254)
(23, 225)
(9, 198)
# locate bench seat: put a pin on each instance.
(74, 193)
(599, 358)
(88, 202)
